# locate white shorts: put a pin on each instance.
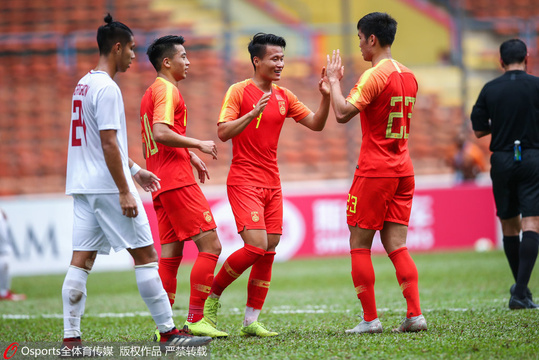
(98, 224)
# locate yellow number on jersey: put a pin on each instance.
(151, 146)
(403, 133)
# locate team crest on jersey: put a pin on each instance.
(207, 216)
(254, 216)
(282, 108)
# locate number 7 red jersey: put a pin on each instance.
(385, 95)
(254, 150)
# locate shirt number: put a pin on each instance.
(409, 102)
(149, 143)
(78, 122)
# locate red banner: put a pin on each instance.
(315, 224)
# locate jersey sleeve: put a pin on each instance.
(296, 109)
(480, 117)
(366, 90)
(108, 103)
(164, 103)
(230, 110)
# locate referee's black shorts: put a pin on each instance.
(515, 184)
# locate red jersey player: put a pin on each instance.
(182, 210)
(252, 115)
(381, 194)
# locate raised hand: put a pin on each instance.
(334, 67)
(323, 84)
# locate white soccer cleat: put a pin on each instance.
(413, 324)
(367, 327)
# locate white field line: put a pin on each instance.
(235, 311)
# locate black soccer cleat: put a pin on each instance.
(526, 302)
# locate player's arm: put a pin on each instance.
(113, 159)
(227, 130)
(163, 134)
(480, 116)
(480, 134)
(146, 179)
(317, 121)
(201, 168)
(344, 111)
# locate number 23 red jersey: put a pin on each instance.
(385, 95)
(254, 150)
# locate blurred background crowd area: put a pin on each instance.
(46, 46)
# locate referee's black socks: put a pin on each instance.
(511, 246)
(528, 254)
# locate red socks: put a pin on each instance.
(259, 281)
(407, 278)
(234, 266)
(201, 281)
(166, 335)
(363, 278)
(168, 272)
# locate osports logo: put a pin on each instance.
(13, 347)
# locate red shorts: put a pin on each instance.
(182, 213)
(372, 201)
(257, 208)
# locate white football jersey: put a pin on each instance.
(97, 105)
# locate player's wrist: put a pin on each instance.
(135, 169)
(253, 114)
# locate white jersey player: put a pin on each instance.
(108, 211)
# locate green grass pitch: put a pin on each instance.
(311, 302)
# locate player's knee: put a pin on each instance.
(209, 242)
(144, 255)
(530, 223)
(214, 247)
(217, 248)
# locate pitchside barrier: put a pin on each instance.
(447, 218)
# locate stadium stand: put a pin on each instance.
(46, 47)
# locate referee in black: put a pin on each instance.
(508, 108)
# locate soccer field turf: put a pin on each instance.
(311, 302)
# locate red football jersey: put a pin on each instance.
(254, 150)
(385, 95)
(163, 103)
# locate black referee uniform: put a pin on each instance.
(508, 107)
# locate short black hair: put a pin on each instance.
(513, 51)
(162, 48)
(112, 33)
(257, 45)
(381, 25)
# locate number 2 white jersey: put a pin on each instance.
(97, 105)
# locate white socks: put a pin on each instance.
(251, 315)
(150, 289)
(154, 295)
(74, 299)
